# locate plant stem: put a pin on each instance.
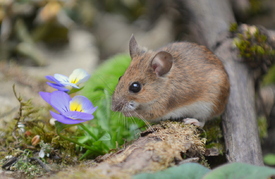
(88, 131)
(92, 135)
(108, 103)
(73, 141)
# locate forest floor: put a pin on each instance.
(81, 52)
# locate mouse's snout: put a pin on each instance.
(117, 106)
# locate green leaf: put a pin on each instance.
(83, 139)
(60, 126)
(94, 131)
(184, 171)
(240, 170)
(98, 145)
(105, 137)
(269, 159)
(86, 154)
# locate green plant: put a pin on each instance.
(197, 171)
(269, 159)
(112, 128)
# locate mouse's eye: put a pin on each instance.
(135, 87)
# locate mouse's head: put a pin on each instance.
(142, 88)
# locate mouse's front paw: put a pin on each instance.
(193, 121)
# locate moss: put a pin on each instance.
(252, 42)
(255, 49)
(262, 127)
(17, 142)
(233, 27)
(178, 141)
(256, 7)
(269, 78)
(214, 136)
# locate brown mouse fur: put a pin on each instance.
(180, 80)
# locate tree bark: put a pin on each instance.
(209, 19)
(212, 20)
(239, 120)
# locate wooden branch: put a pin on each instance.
(209, 19)
(241, 8)
(27, 47)
(266, 100)
(239, 120)
(212, 19)
(161, 146)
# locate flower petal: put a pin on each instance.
(64, 120)
(79, 76)
(59, 87)
(46, 96)
(78, 115)
(84, 79)
(71, 84)
(60, 101)
(67, 85)
(61, 78)
(51, 78)
(86, 104)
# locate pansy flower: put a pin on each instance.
(71, 110)
(64, 83)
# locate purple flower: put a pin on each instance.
(72, 110)
(64, 83)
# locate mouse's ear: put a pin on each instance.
(134, 48)
(162, 63)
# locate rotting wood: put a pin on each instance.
(163, 145)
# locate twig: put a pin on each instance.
(19, 112)
(43, 165)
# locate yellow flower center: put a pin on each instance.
(75, 106)
(74, 81)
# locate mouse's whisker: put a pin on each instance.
(144, 120)
(107, 86)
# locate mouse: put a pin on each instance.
(180, 81)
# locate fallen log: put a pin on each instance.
(161, 146)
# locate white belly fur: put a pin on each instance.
(198, 110)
